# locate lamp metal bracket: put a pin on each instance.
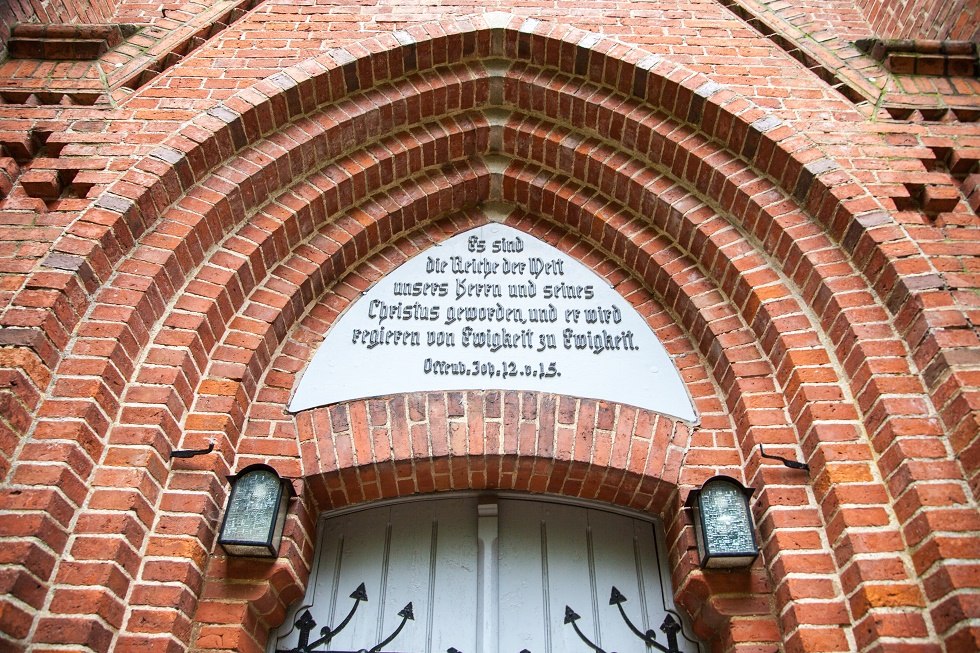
(793, 464)
(190, 453)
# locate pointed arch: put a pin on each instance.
(216, 253)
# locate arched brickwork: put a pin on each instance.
(225, 250)
(384, 448)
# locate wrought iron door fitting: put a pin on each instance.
(669, 627)
(306, 624)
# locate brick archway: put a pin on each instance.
(686, 197)
(404, 445)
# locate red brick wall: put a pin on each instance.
(760, 233)
(957, 20)
(55, 11)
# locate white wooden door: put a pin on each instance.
(476, 576)
(421, 553)
(558, 560)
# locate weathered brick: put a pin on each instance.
(740, 210)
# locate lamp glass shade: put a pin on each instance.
(255, 514)
(723, 524)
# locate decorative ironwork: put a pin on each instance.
(616, 598)
(406, 614)
(571, 617)
(306, 623)
(670, 627)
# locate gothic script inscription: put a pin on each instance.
(494, 308)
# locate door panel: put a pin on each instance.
(523, 604)
(497, 582)
(422, 553)
(628, 562)
(554, 555)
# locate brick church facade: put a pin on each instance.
(193, 191)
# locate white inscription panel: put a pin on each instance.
(494, 308)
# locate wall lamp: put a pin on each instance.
(255, 513)
(723, 523)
